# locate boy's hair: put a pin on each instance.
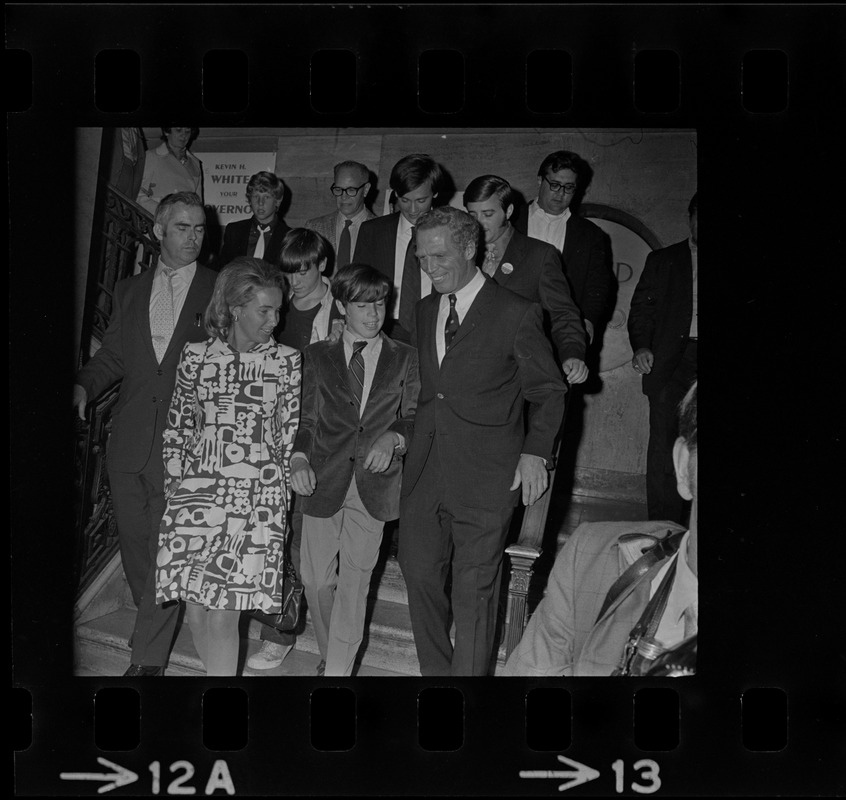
(302, 248)
(265, 181)
(360, 283)
(486, 186)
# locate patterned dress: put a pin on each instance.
(227, 445)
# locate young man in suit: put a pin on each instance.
(350, 188)
(386, 243)
(483, 354)
(528, 267)
(563, 179)
(584, 627)
(359, 398)
(155, 314)
(261, 235)
(664, 334)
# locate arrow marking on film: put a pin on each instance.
(120, 777)
(578, 774)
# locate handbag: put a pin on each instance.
(288, 619)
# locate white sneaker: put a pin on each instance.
(270, 656)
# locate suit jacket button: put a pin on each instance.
(440, 396)
(361, 430)
(159, 372)
(154, 399)
(352, 458)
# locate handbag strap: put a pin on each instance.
(665, 548)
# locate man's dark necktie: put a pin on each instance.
(452, 323)
(410, 292)
(356, 372)
(344, 246)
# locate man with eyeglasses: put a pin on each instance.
(563, 179)
(387, 243)
(261, 235)
(350, 187)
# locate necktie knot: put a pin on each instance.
(264, 228)
(168, 272)
(347, 223)
(452, 299)
(358, 347)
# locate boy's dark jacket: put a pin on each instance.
(336, 440)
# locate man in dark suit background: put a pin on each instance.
(482, 353)
(350, 188)
(154, 315)
(261, 235)
(386, 243)
(563, 179)
(527, 267)
(664, 334)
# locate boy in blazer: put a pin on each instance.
(357, 416)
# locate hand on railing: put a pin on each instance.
(80, 400)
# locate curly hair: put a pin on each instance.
(236, 285)
(462, 227)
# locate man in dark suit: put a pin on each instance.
(155, 314)
(529, 268)
(563, 179)
(350, 188)
(386, 243)
(664, 334)
(483, 353)
(261, 235)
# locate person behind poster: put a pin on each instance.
(261, 235)
(358, 407)
(350, 188)
(483, 355)
(171, 167)
(664, 334)
(387, 243)
(155, 314)
(227, 445)
(623, 597)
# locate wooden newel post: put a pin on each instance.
(522, 562)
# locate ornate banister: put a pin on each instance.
(123, 243)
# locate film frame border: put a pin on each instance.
(727, 135)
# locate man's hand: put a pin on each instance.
(80, 400)
(575, 370)
(303, 479)
(642, 361)
(381, 452)
(532, 475)
(589, 331)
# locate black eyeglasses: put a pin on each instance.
(350, 191)
(569, 188)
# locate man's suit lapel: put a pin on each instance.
(141, 310)
(186, 315)
(474, 315)
(513, 255)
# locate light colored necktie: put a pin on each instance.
(262, 229)
(161, 320)
(490, 264)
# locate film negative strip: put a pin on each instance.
(743, 102)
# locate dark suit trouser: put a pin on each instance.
(436, 528)
(139, 504)
(269, 633)
(663, 500)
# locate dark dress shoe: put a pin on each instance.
(137, 671)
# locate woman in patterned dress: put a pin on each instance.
(232, 422)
